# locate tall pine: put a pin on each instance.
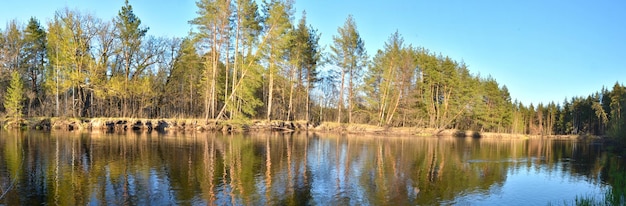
(277, 29)
(305, 56)
(34, 60)
(213, 23)
(349, 54)
(130, 34)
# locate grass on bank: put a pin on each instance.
(238, 125)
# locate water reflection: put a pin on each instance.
(290, 169)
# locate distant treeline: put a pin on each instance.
(245, 60)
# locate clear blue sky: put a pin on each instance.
(541, 50)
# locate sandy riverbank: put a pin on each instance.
(201, 125)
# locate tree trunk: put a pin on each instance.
(235, 64)
(308, 88)
(340, 104)
(270, 96)
(290, 103)
(226, 71)
(207, 93)
(390, 115)
(350, 96)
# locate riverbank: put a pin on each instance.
(200, 125)
(333, 127)
(160, 125)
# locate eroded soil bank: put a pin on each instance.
(160, 125)
(201, 125)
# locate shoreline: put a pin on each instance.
(234, 126)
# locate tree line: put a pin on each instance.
(249, 60)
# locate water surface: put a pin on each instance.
(292, 169)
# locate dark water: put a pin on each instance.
(293, 169)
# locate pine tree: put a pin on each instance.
(278, 37)
(34, 60)
(618, 110)
(35, 52)
(213, 23)
(14, 97)
(390, 79)
(246, 71)
(184, 82)
(130, 34)
(348, 53)
(243, 99)
(305, 56)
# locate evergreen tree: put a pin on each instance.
(183, 82)
(391, 78)
(35, 52)
(618, 113)
(213, 23)
(246, 74)
(11, 46)
(34, 59)
(350, 56)
(130, 34)
(278, 37)
(305, 56)
(14, 97)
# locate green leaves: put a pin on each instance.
(350, 56)
(129, 26)
(391, 78)
(277, 29)
(14, 97)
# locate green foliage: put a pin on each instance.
(392, 80)
(614, 175)
(183, 81)
(304, 56)
(245, 61)
(617, 125)
(246, 72)
(131, 34)
(306, 53)
(278, 36)
(14, 97)
(495, 107)
(349, 55)
(129, 26)
(70, 35)
(213, 24)
(35, 53)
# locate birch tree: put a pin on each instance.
(70, 36)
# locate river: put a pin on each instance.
(72, 168)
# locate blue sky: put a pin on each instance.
(542, 50)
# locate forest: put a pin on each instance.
(249, 60)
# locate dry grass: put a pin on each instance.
(241, 125)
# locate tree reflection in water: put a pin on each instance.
(278, 168)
